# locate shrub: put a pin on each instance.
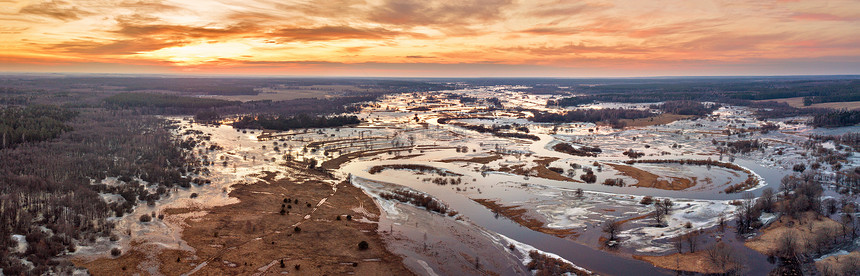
(115, 252)
(647, 200)
(588, 177)
(799, 168)
(145, 218)
(363, 245)
(614, 182)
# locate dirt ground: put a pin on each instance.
(252, 237)
(519, 215)
(650, 180)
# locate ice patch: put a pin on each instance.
(524, 249)
(22, 243)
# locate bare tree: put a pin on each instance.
(788, 245)
(658, 216)
(722, 258)
(767, 199)
(788, 183)
(692, 238)
(612, 228)
(847, 221)
(746, 213)
(659, 213)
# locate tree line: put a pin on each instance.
(495, 130)
(128, 100)
(838, 118)
(284, 123)
(686, 108)
(590, 115)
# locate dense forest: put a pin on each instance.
(32, 123)
(203, 85)
(838, 118)
(126, 100)
(590, 115)
(686, 108)
(293, 122)
(732, 91)
(48, 184)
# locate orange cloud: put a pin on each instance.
(535, 36)
(54, 9)
(811, 16)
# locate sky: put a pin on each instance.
(431, 38)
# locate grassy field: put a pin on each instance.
(798, 102)
(650, 180)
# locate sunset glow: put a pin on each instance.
(432, 38)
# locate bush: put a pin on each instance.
(589, 177)
(614, 182)
(363, 245)
(799, 168)
(115, 252)
(647, 200)
(145, 218)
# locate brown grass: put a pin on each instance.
(692, 262)
(335, 163)
(405, 156)
(837, 262)
(479, 160)
(242, 238)
(519, 216)
(767, 241)
(536, 171)
(650, 180)
(798, 103)
(545, 161)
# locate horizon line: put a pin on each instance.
(181, 75)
